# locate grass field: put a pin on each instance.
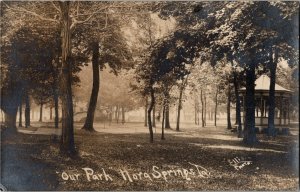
(119, 157)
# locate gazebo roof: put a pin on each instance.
(263, 84)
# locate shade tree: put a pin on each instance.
(66, 16)
(240, 44)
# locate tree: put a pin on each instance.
(11, 84)
(282, 44)
(112, 51)
(27, 110)
(166, 65)
(38, 11)
(238, 104)
(181, 89)
(33, 70)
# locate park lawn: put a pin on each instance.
(33, 162)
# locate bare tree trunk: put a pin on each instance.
(55, 74)
(238, 107)
(10, 121)
(202, 108)
(89, 121)
(228, 107)
(123, 115)
(159, 115)
(167, 118)
(118, 114)
(179, 107)
(198, 117)
(11, 96)
(163, 122)
(153, 117)
(249, 132)
(67, 138)
(20, 114)
(196, 113)
(152, 103)
(271, 116)
(41, 113)
(111, 115)
(146, 116)
(27, 110)
(216, 105)
(56, 109)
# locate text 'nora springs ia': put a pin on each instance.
(155, 173)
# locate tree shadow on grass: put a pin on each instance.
(19, 171)
(28, 162)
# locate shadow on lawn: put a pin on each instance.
(19, 171)
(31, 162)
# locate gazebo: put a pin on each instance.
(282, 103)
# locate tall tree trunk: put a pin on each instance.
(146, 109)
(41, 113)
(153, 117)
(20, 114)
(111, 115)
(216, 105)
(152, 103)
(196, 112)
(67, 138)
(159, 115)
(123, 115)
(271, 116)
(89, 121)
(202, 108)
(27, 110)
(10, 121)
(179, 107)
(11, 96)
(56, 109)
(198, 117)
(249, 133)
(228, 107)
(163, 122)
(238, 106)
(118, 114)
(167, 118)
(55, 74)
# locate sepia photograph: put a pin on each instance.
(149, 95)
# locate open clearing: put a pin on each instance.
(32, 161)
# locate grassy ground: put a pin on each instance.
(32, 162)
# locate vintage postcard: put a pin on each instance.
(149, 95)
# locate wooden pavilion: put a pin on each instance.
(282, 103)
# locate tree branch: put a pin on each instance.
(53, 4)
(75, 21)
(21, 9)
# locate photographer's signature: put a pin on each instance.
(238, 164)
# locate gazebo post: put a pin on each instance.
(265, 108)
(284, 112)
